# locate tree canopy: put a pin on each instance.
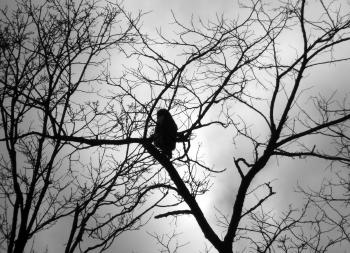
(76, 130)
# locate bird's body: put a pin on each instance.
(165, 132)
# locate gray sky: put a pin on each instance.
(287, 173)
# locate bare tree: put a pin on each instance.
(229, 63)
(330, 217)
(224, 64)
(218, 66)
(51, 58)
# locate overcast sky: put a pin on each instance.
(287, 173)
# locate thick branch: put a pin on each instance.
(185, 194)
(313, 130)
(173, 213)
